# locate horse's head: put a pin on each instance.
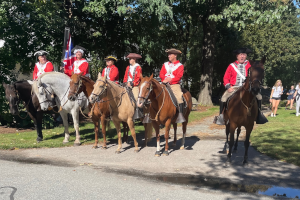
(75, 86)
(12, 97)
(145, 89)
(44, 93)
(99, 88)
(256, 74)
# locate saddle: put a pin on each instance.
(131, 96)
(173, 98)
(229, 98)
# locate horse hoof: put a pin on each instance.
(157, 154)
(245, 162)
(118, 152)
(95, 147)
(104, 148)
(165, 153)
(228, 160)
(76, 144)
(65, 142)
(38, 139)
(136, 151)
(182, 148)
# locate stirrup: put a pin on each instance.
(219, 120)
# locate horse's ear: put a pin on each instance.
(30, 82)
(39, 83)
(80, 73)
(151, 77)
(263, 60)
(99, 75)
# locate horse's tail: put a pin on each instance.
(149, 130)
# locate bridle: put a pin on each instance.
(104, 87)
(18, 100)
(251, 82)
(79, 85)
(150, 88)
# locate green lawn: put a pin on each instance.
(54, 137)
(280, 137)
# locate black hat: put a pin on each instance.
(41, 53)
(242, 50)
(77, 47)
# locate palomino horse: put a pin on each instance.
(100, 110)
(242, 108)
(121, 105)
(21, 91)
(162, 110)
(58, 83)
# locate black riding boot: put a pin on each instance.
(137, 113)
(261, 119)
(180, 118)
(221, 107)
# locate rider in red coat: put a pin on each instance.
(43, 65)
(111, 71)
(233, 79)
(80, 64)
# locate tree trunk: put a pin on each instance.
(208, 52)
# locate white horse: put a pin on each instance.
(59, 84)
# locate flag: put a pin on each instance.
(68, 56)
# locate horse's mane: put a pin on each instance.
(57, 73)
(88, 79)
(112, 82)
(157, 82)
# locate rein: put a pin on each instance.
(25, 105)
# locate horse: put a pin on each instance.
(57, 83)
(242, 108)
(21, 91)
(162, 110)
(100, 110)
(121, 105)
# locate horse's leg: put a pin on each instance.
(246, 143)
(131, 127)
(184, 125)
(64, 116)
(227, 130)
(75, 116)
(103, 123)
(168, 127)
(175, 134)
(118, 128)
(96, 130)
(231, 142)
(237, 139)
(146, 138)
(156, 128)
(125, 132)
(39, 126)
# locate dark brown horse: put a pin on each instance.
(21, 91)
(242, 108)
(162, 110)
(99, 110)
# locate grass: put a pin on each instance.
(280, 137)
(54, 137)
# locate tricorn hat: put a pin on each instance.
(242, 50)
(41, 53)
(78, 48)
(111, 58)
(174, 51)
(134, 55)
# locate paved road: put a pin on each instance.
(83, 172)
(35, 182)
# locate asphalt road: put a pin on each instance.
(35, 181)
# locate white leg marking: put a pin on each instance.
(157, 147)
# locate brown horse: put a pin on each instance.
(121, 105)
(242, 109)
(100, 110)
(162, 110)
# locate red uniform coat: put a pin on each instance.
(173, 70)
(113, 73)
(78, 66)
(230, 74)
(39, 69)
(137, 77)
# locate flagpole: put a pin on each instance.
(66, 38)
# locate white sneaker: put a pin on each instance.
(272, 115)
(297, 114)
